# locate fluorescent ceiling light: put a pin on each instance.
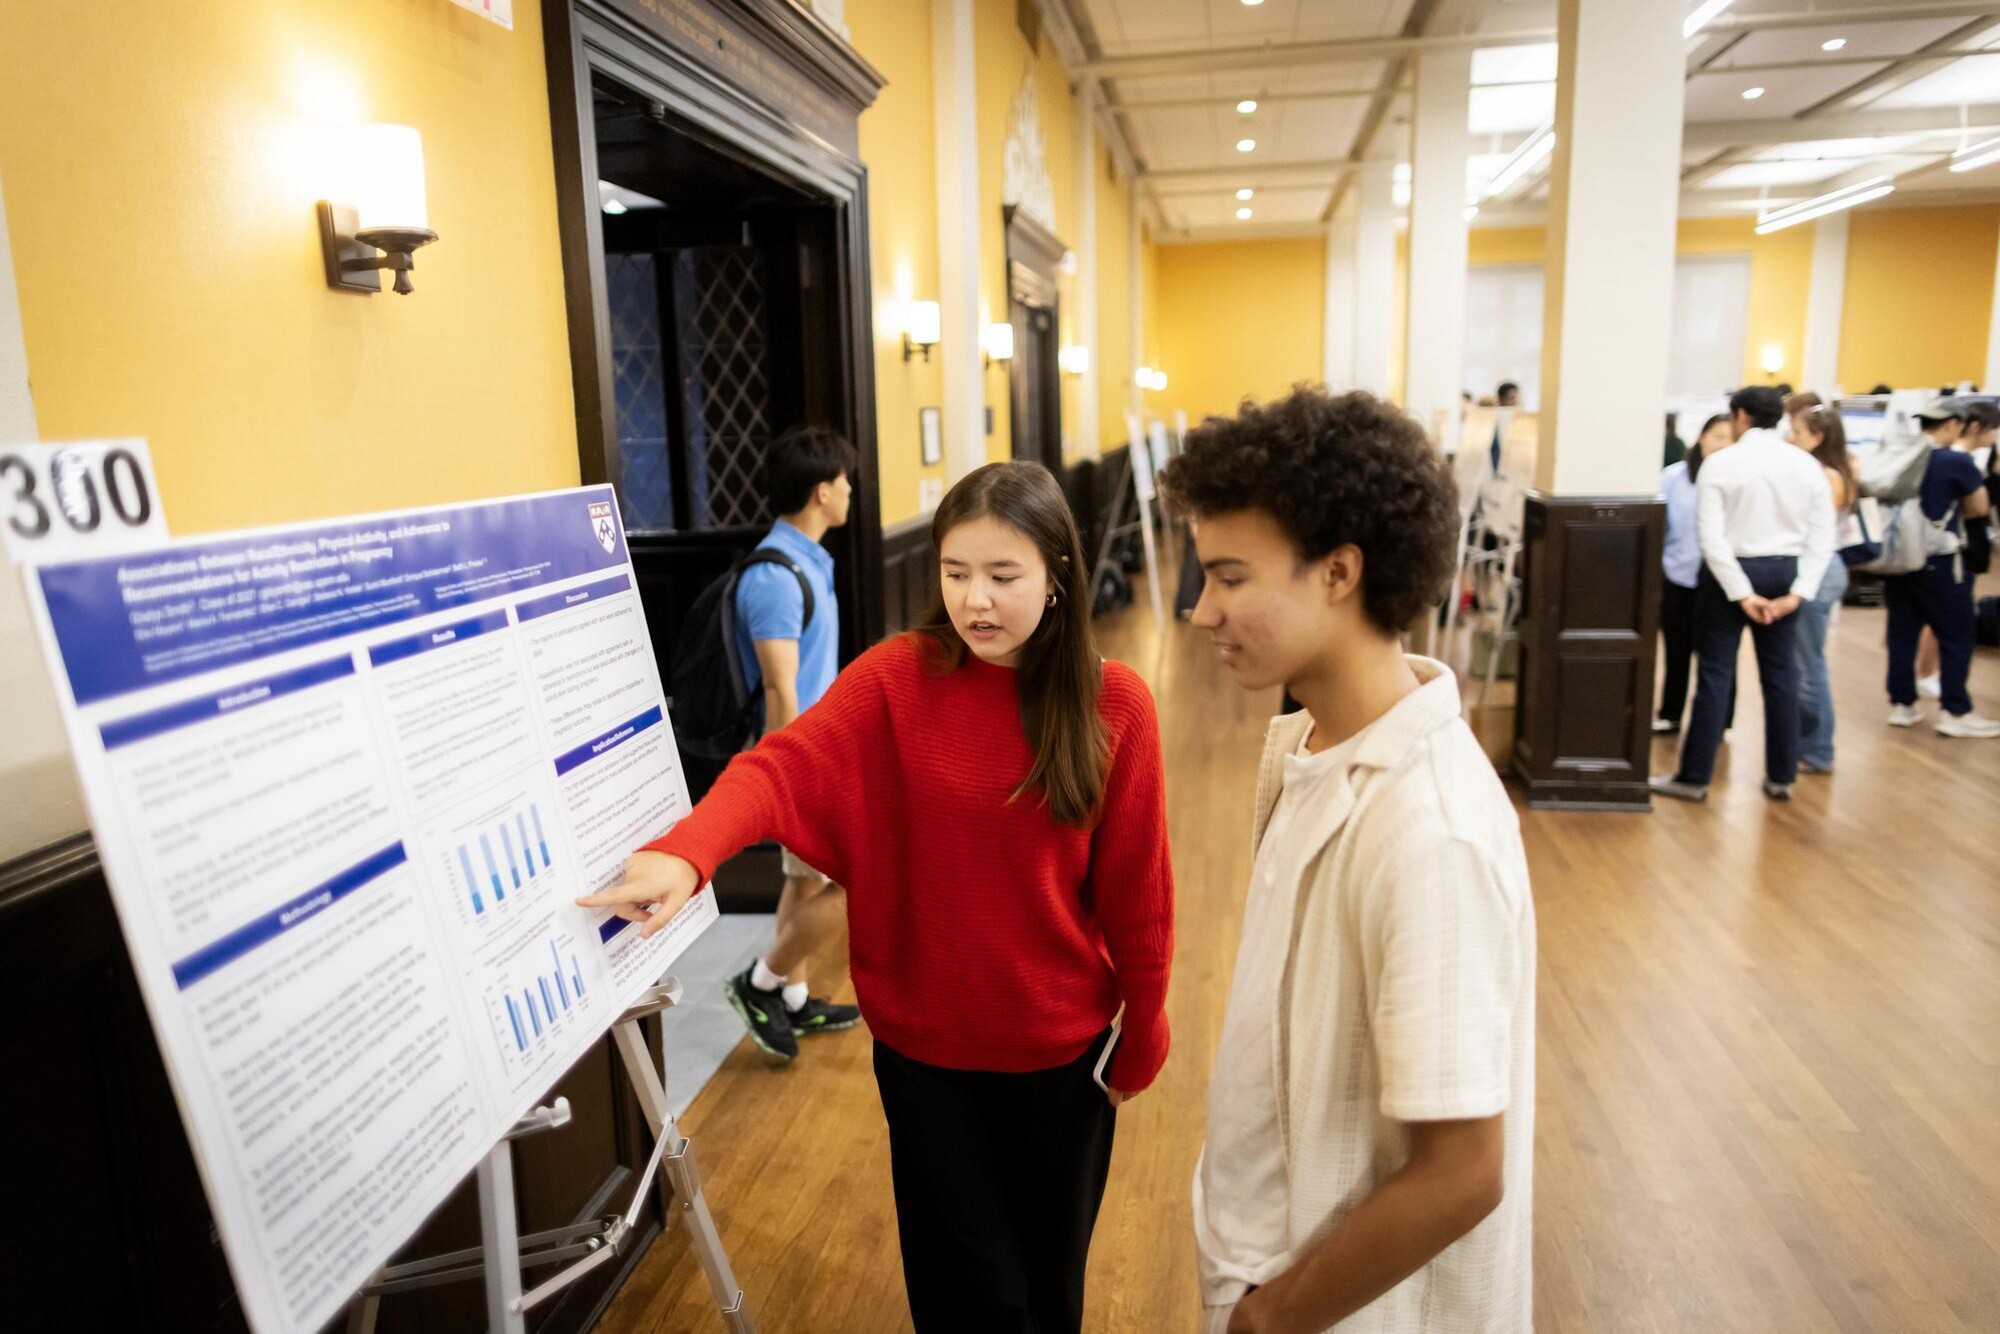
(1243, 215)
(1752, 94)
(1471, 212)
(1821, 205)
(1976, 156)
(1246, 193)
(1526, 158)
(1833, 44)
(1702, 15)
(1246, 106)
(1245, 145)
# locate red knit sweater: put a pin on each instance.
(983, 934)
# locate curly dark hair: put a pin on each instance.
(1334, 470)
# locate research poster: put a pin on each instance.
(346, 781)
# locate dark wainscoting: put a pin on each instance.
(107, 1224)
(1583, 729)
(909, 572)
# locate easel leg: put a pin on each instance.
(499, 1236)
(703, 1238)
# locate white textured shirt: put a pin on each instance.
(1408, 994)
(1241, 1202)
(1763, 497)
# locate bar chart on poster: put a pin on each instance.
(363, 769)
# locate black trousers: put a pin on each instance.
(1718, 630)
(1677, 632)
(998, 1178)
(1935, 596)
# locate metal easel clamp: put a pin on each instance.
(654, 999)
(552, 1117)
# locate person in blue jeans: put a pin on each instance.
(808, 480)
(1940, 594)
(1818, 431)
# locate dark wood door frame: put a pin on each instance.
(801, 129)
(1034, 258)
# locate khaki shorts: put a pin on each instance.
(796, 868)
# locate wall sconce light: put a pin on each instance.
(1074, 359)
(379, 217)
(1148, 378)
(999, 343)
(1774, 358)
(926, 326)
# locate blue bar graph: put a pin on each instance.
(533, 1018)
(562, 990)
(521, 823)
(576, 974)
(548, 1006)
(507, 841)
(486, 847)
(514, 1018)
(471, 881)
(540, 838)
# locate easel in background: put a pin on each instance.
(503, 1253)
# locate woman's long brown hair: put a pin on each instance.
(1831, 451)
(1060, 673)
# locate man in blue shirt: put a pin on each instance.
(1940, 594)
(808, 474)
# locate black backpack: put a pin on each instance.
(714, 710)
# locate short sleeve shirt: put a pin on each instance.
(769, 605)
(1948, 479)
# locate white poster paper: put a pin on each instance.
(346, 780)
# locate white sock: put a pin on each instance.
(762, 978)
(795, 996)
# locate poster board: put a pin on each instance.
(346, 780)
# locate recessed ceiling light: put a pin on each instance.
(1242, 215)
(1752, 94)
(1246, 106)
(1252, 4)
(1833, 44)
(1246, 193)
(1245, 145)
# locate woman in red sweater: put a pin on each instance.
(990, 791)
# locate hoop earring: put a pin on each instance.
(1052, 600)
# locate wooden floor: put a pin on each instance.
(1769, 1054)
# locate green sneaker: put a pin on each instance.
(763, 1013)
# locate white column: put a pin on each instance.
(1442, 138)
(1086, 268)
(38, 797)
(957, 115)
(1374, 276)
(1821, 372)
(1991, 384)
(1614, 195)
(1338, 371)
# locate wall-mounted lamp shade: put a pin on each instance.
(999, 342)
(1074, 359)
(1773, 358)
(1149, 379)
(376, 213)
(1159, 385)
(926, 328)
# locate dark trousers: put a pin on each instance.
(1930, 596)
(1718, 631)
(1677, 633)
(997, 1178)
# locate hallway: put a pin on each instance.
(1769, 1054)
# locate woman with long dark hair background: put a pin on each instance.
(1820, 433)
(1680, 563)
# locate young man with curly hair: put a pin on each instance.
(1371, 1109)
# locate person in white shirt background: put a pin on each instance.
(1368, 1162)
(1764, 517)
(1680, 563)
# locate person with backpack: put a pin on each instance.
(990, 791)
(1931, 586)
(1764, 520)
(787, 639)
(1818, 430)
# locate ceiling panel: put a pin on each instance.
(1515, 64)
(1750, 175)
(1270, 206)
(1863, 39)
(1975, 79)
(1132, 27)
(1512, 109)
(1719, 96)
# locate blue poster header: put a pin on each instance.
(572, 597)
(124, 731)
(597, 745)
(442, 637)
(127, 622)
(271, 925)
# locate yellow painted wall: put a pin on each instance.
(161, 167)
(1240, 319)
(1001, 61)
(1780, 277)
(898, 142)
(1115, 358)
(1149, 319)
(1919, 296)
(1399, 320)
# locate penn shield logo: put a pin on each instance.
(604, 525)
